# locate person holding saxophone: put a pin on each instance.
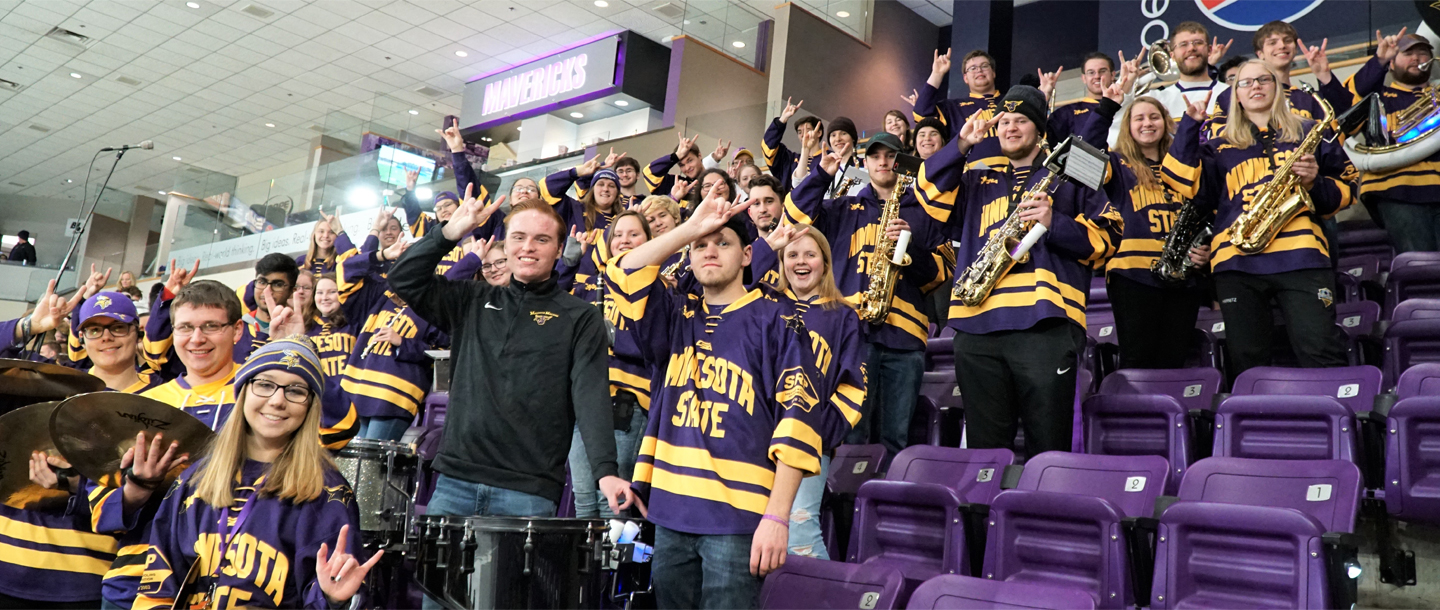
(1271, 178)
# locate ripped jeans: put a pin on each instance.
(805, 535)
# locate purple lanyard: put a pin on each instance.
(228, 536)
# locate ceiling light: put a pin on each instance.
(361, 196)
(843, 14)
(521, 128)
(601, 3)
(622, 103)
(424, 193)
(175, 158)
(69, 181)
(193, 4)
(269, 124)
(74, 75)
(461, 54)
(576, 115)
(162, 192)
(737, 44)
(414, 112)
(687, 22)
(486, 138)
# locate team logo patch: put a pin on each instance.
(541, 317)
(291, 358)
(1326, 296)
(338, 493)
(1249, 15)
(796, 390)
(157, 571)
(1011, 105)
(103, 301)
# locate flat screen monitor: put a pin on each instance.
(393, 163)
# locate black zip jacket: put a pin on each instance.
(530, 361)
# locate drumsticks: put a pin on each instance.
(391, 326)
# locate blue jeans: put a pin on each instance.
(106, 604)
(695, 571)
(383, 428)
(895, 387)
(1413, 227)
(456, 497)
(805, 535)
(588, 502)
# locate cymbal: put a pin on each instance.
(23, 382)
(94, 430)
(23, 431)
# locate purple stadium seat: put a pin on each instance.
(1413, 275)
(1194, 388)
(939, 354)
(1412, 474)
(1357, 319)
(1355, 386)
(1140, 424)
(804, 583)
(1259, 534)
(1061, 526)
(1371, 240)
(925, 423)
(913, 519)
(1419, 380)
(1100, 326)
(1211, 321)
(940, 387)
(1285, 428)
(955, 592)
(1098, 300)
(1413, 336)
(1362, 267)
(433, 415)
(854, 465)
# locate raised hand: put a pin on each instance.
(1048, 80)
(590, 166)
(1388, 46)
(830, 163)
(1218, 51)
(149, 461)
(976, 129)
(910, 99)
(411, 178)
(722, 148)
(1116, 92)
(783, 236)
(940, 65)
(685, 144)
(681, 188)
(333, 221)
(340, 575)
(285, 318)
(382, 218)
(713, 212)
(396, 249)
(789, 110)
(92, 285)
(1319, 62)
(612, 158)
(452, 137)
(471, 213)
(1197, 111)
(180, 278)
(1129, 71)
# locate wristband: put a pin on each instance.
(783, 522)
(146, 484)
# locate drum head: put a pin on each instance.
(535, 524)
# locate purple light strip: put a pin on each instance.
(532, 60)
(546, 109)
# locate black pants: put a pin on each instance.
(1155, 326)
(1025, 375)
(1306, 299)
(7, 603)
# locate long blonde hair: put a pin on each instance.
(313, 251)
(829, 291)
(298, 475)
(1130, 150)
(1237, 124)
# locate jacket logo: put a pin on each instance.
(103, 301)
(796, 390)
(1011, 105)
(541, 317)
(338, 493)
(988, 180)
(291, 359)
(1326, 296)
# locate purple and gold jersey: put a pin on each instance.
(780, 160)
(658, 178)
(333, 344)
(270, 559)
(1070, 118)
(51, 554)
(1301, 104)
(1232, 176)
(734, 392)
(210, 403)
(582, 280)
(954, 112)
(383, 380)
(852, 225)
(1415, 183)
(970, 205)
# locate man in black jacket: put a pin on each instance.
(23, 252)
(511, 419)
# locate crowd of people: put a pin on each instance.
(684, 334)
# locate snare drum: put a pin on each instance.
(511, 562)
(383, 475)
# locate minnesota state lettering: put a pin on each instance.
(862, 246)
(716, 378)
(401, 324)
(993, 213)
(247, 559)
(821, 349)
(341, 344)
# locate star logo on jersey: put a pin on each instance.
(541, 317)
(796, 390)
(338, 493)
(1011, 105)
(1249, 15)
(291, 358)
(103, 301)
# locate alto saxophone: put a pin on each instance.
(1282, 199)
(874, 303)
(1190, 230)
(675, 267)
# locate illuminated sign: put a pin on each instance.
(575, 74)
(562, 76)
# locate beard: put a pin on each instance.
(716, 279)
(1199, 69)
(1409, 78)
(1020, 152)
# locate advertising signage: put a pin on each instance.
(579, 73)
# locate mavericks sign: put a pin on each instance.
(576, 74)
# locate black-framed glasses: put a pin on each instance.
(499, 264)
(261, 283)
(978, 68)
(1246, 83)
(119, 331)
(298, 394)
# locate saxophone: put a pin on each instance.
(1282, 199)
(1188, 231)
(874, 303)
(675, 267)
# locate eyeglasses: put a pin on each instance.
(118, 331)
(525, 189)
(499, 264)
(208, 328)
(978, 68)
(261, 283)
(298, 394)
(1246, 83)
(1100, 72)
(1190, 43)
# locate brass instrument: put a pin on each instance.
(845, 186)
(1282, 199)
(874, 303)
(1159, 63)
(1190, 230)
(1387, 144)
(675, 267)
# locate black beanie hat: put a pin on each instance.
(934, 123)
(1028, 101)
(844, 124)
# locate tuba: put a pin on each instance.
(874, 303)
(1381, 144)
(1158, 64)
(1282, 199)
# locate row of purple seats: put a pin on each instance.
(809, 584)
(1365, 238)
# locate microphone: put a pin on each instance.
(147, 145)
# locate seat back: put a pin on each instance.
(1416, 309)
(1130, 482)
(805, 582)
(1327, 490)
(1357, 318)
(1194, 388)
(1412, 275)
(939, 386)
(955, 592)
(1413, 336)
(1098, 300)
(940, 354)
(1419, 380)
(854, 465)
(1211, 321)
(1362, 267)
(973, 473)
(1285, 428)
(1139, 424)
(1059, 539)
(1411, 468)
(1100, 325)
(1353, 386)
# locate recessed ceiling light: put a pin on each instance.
(69, 181)
(162, 192)
(74, 75)
(193, 4)
(486, 138)
(687, 22)
(414, 112)
(622, 103)
(843, 14)
(576, 115)
(175, 158)
(738, 44)
(520, 129)
(269, 124)
(461, 54)
(601, 3)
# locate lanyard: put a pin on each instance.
(227, 536)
